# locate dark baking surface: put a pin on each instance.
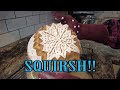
(13, 55)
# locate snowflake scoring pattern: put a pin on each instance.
(57, 41)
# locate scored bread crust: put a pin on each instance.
(39, 47)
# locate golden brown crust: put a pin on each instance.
(39, 53)
(72, 56)
(39, 48)
(43, 28)
(44, 55)
(37, 35)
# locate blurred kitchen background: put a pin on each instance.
(15, 25)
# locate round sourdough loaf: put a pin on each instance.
(57, 42)
(54, 42)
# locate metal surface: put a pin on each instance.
(19, 74)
